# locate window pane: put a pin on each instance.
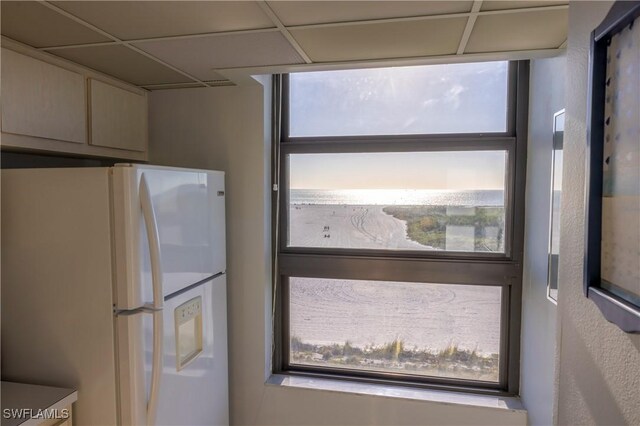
(433, 99)
(440, 330)
(451, 201)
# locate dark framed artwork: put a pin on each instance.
(612, 257)
(555, 206)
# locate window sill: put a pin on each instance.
(401, 392)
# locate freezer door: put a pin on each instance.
(187, 209)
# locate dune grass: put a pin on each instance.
(450, 361)
(427, 225)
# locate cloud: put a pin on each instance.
(429, 102)
(453, 95)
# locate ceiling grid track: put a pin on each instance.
(524, 9)
(427, 17)
(121, 42)
(285, 32)
(212, 83)
(397, 62)
(468, 29)
(165, 38)
(379, 21)
(73, 46)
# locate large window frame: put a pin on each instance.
(479, 268)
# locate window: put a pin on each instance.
(445, 200)
(396, 327)
(400, 101)
(399, 224)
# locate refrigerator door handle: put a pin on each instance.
(149, 216)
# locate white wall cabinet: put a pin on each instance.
(118, 117)
(42, 100)
(53, 105)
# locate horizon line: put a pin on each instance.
(399, 189)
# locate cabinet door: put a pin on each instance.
(118, 117)
(42, 100)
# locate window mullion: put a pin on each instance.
(399, 269)
(392, 144)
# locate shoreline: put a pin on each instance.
(409, 227)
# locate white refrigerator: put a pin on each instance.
(113, 282)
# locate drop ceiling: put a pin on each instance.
(164, 44)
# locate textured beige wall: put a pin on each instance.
(224, 129)
(599, 366)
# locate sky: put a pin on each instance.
(450, 98)
(398, 170)
(453, 98)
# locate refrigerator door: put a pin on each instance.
(193, 386)
(193, 383)
(187, 210)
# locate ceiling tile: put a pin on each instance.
(36, 25)
(519, 4)
(123, 63)
(199, 56)
(518, 31)
(379, 41)
(147, 19)
(314, 12)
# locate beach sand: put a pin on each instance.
(347, 227)
(423, 316)
(428, 317)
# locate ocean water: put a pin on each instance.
(405, 197)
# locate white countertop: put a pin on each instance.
(32, 399)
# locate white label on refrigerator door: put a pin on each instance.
(188, 320)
